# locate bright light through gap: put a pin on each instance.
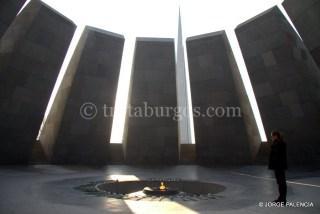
(70, 52)
(245, 78)
(122, 92)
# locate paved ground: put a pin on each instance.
(46, 189)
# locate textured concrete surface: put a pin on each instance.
(31, 53)
(305, 16)
(75, 131)
(50, 189)
(285, 81)
(154, 138)
(8, 11)
(187, 154)
(212, 79)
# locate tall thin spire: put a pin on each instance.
(182, 89)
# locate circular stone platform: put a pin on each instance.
(134, 190)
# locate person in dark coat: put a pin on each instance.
(278, 163)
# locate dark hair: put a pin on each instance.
(276, 133)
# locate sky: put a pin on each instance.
(159, 18)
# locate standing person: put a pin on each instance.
(278, 163)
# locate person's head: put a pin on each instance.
(275, 135)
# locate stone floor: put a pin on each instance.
(47, 189)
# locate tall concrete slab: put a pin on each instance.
(305, 16)
(78, 128)
(152, 137)
(31, 53)
(285, 81)
(8, 11)
(221, 138)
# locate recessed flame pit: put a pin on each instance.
(161, 190)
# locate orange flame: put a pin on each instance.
(162, 186)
